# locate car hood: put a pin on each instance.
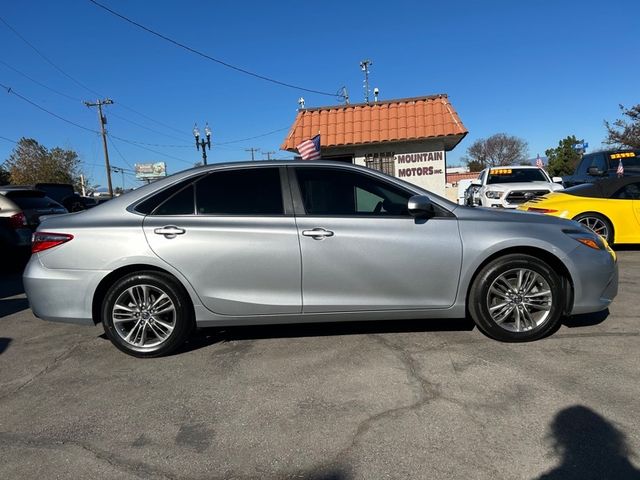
(503, 215)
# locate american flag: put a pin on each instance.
(620, 170)
(539, 163)
(310, 149)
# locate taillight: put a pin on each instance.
(46, 240)
(17, 221)
(541, 210)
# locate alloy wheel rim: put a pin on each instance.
(596, 225)
(144, 316)
(519, 300)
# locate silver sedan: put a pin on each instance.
(285, 242)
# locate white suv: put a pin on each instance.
(510, 186)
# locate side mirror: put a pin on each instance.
(557, 180)
(421, 206)
(595, 172)
(476, 182)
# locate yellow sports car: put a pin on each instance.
(610, 207)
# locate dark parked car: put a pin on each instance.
(597, 165)
(20, 212)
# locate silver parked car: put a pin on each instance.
(284, 242)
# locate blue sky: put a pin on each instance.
(540, 70)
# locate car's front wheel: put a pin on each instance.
(146, 314)
(516, 298)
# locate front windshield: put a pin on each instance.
(513, 175)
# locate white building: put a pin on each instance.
(407, 138)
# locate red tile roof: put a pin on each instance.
(404, 119)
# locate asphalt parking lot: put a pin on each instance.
(427, 400)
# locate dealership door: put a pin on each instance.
(361, 250)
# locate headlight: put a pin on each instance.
(494, 194)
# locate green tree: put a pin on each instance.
(497, 150)
(563, 159)
(475, 165)
(625, 133)
(30, 162)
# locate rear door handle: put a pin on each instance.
(318, 233)
(169, 231)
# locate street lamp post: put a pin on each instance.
(202, 142)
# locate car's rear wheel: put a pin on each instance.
(598, 224)
(146, 314)
(516, 298)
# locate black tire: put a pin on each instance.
(597, 223)
(151, 325)
(543, 311)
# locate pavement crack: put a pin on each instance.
(424, 392)
(139, 469)
(53, 364)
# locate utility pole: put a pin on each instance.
(253, 152)
(84, 190)
(268, 154)
(103, 121)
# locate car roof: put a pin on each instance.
(14, 191)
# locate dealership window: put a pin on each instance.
(383, 162)
(339, 192)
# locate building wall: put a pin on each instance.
(421, 163)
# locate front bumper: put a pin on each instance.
(595, 278)
(61, 295)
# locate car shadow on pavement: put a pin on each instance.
(11, 287)
(4, 344)
(204, 337)
(586, 319)
(588, 447)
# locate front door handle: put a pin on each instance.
(318, 233)
(169, 231)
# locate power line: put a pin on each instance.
(208, 57)
(8, 139)
(251, 138)
(75, 99)
(142, 126)
(76, 81)
(46, 59)
(150, 150)
(120, 153)
(11, 91)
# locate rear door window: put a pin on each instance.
(246, 191)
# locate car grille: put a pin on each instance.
(521, 196)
